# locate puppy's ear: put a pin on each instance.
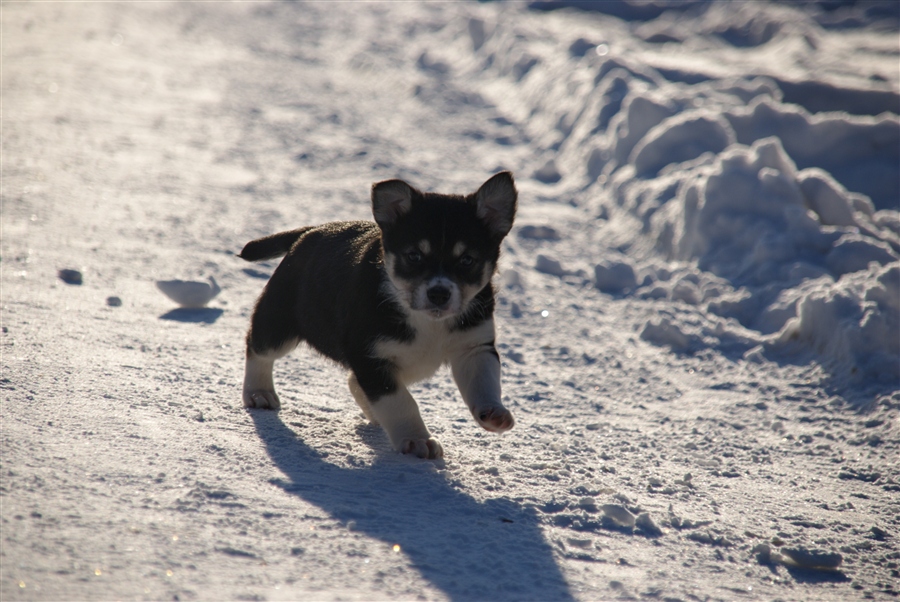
(390, 200)
(495, 203)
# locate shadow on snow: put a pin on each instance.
(205, 315)
(468, 549)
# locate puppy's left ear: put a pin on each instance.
(390, 200)
(495, 203)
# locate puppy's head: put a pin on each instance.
(440, 250)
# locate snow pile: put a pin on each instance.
(800, 255)
(855, 320)
(753, 218)
(781, 224)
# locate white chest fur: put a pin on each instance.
(433, 345)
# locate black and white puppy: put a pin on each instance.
(392, 301)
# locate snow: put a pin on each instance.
(698, 306)
(614, 275)
(726, 176)
(854, 322)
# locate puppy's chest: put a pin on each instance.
(433, 345)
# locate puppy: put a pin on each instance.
(391, 301)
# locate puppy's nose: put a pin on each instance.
(439, 295)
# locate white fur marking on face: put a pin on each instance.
(424, 246)
(420, 298)
(458, 249)
(468, 291)
(394, 288)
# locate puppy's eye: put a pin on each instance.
(466, 261)
(414, 256)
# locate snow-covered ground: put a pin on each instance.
(699, 308)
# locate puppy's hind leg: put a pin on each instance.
(361, 400)
(387, 402)
(274, 332)
(398, 415)
(259, 385)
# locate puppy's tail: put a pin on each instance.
(272, 246)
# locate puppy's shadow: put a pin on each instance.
(197, 315)
(470, 550)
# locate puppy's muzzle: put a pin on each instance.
(438, 296)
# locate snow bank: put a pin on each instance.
(800, 257)
(781, 224)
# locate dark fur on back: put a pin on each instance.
(307, 296)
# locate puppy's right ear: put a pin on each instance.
(390, 200)
(495, 203)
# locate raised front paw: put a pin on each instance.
(496, 419)
(264, 400)
(423, 448)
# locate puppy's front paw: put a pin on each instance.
(495, 420)
(423, 448)
(264, 400)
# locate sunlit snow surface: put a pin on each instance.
(697, 307)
